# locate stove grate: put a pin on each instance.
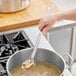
(9, 44)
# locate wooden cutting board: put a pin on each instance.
(26, 17)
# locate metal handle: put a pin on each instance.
(36, 46)
(48, 11)
(72, 60)
(68, 66)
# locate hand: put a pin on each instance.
(47, 22)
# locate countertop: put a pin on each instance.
(26, 17)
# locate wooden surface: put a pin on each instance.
(28, 16)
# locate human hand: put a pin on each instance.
(47, 22)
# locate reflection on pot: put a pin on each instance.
(7, 6)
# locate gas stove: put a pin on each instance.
(16, 40)
(9, 44)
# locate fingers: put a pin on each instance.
(46, 28)
(43, 24)
(47, 23)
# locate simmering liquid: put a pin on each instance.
(40, 69)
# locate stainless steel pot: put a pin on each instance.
(42, 55)
(7, 6)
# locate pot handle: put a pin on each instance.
(72, 61)
(67, 65)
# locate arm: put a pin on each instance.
(68, 15)
(50, 20)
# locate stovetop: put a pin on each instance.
(9, 44)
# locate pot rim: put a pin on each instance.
(14, 8)
(32, 48)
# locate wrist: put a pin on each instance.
(59, 16)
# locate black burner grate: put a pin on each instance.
(9, 44)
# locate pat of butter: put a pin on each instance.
(27, 64)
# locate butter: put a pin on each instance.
(27, 64)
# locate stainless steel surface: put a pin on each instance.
(13, 5)
(41, 55)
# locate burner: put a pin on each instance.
(9, 44)
(6, 50)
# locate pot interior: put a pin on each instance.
(41, 55)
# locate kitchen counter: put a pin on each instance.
(28, 16)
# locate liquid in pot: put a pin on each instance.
(41, 69)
